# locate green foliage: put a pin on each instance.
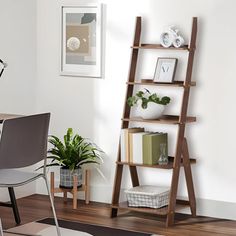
(73, 151)
(147, 97)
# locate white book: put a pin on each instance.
(137, 147)
(125, 142)
(123, 157)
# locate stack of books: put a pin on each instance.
(141, 147)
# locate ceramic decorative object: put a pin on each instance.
(170, 37)
(149, 105)
(178, 42)
(66, 177)
(167, 39)
(153, 111)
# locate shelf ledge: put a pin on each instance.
(160, 211)
(169, 166)
(165, 119)
(159, 46)
(151, 83)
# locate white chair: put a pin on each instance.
(23, 142)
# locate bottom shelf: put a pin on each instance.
(160, 211)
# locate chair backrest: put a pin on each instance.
(23, 141)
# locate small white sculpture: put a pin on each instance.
(171, 37)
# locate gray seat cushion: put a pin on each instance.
(12, 177)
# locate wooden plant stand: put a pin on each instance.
(181, 157)
(74, 190)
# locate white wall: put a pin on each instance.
(18, 49)
(93, 107)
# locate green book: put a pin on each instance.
(151, 147)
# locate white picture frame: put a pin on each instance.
(165, 70)
(81, 40)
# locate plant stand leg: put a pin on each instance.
(52, 187)
(189, 178)
(75, 184)
(87, 187)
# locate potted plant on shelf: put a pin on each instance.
(150, 105)
(70, 155)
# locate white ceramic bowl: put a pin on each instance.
(153, 111)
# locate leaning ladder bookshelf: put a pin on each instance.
(181, 158)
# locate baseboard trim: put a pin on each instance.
(213, 208)
(205, 207)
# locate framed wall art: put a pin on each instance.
(81, 42)
(165, 70)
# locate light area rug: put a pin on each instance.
(35, 228)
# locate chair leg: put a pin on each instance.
(53, 208)
(14, 205)
(1, 230)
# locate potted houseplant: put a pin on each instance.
(70, 154)
(150, 105)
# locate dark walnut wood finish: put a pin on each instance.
(181, 158)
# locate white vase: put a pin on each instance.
(153, 111)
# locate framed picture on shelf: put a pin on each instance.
(81, 43)
(165, 70)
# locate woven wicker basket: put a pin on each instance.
(148, 196)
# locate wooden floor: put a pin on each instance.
(36, 207)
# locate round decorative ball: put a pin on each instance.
(73, 43)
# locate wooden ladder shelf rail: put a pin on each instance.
(181, 157)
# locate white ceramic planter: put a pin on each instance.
(153, 111)
(66, 177)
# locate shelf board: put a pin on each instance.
(166, 119)
(168, 166)
(160, 211)
(151, 83)
(158, 46)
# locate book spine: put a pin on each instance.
(126, 145)
(138, 148)
(147, 149)
(122, 146)
(131, 148)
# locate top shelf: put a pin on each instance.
(173, 84)
(158, 46)
(165, 119)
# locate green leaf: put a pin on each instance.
(75, 151)
(147, 97)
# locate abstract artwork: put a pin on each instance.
(81, 41)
